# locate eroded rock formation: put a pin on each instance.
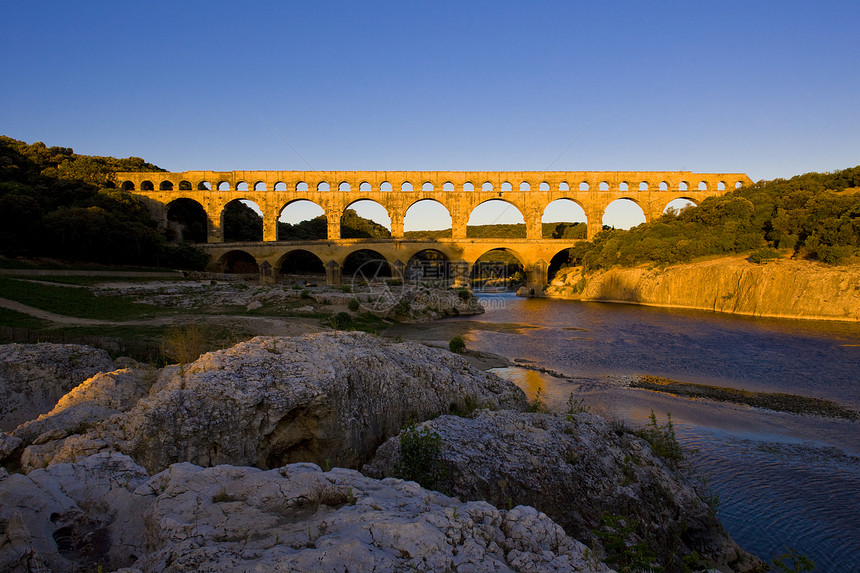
(34, 376)
(106, 511)
(582, 472)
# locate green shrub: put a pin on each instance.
(537, 404)
(420, 457)
(457, 345)
(305, 294)
(662, 439)
(762, 255)
(185, 343)
(353, 304)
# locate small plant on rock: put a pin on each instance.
(537, 404)
(353, 304)
(420, 457)
(457, 345)
(662, 439)
(576, 405)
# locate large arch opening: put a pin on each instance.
(302, 220)
(675, 206)
(558, 261)
(365, 266)
(187, 221)
(365, 219)
(242, 220)
(301, 264)
(238, 263)
(429, 265)
(564, 219)
(623, 214)
(427, 219)
(497, 270)
(496, 219)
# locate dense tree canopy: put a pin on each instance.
(816, 215)
(56, 203)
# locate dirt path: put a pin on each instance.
(45, 315)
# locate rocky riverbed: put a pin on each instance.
(216, 465)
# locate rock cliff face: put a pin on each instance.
(34, 376)
(106, 512)
(783, 288)
(328, 398)
(578, 469)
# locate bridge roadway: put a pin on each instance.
(460, 192)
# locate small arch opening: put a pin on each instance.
(165, 186)
(663, 186)
(127, 186)
(506, 186)
(280, 186)
(303, 186)
(544, 186)
(427, 186)
(344, 187)
(323, 186)
(643, 186)
(365, 187)
(683, 186)
(406, 186)
(204, 186)
(623, 186)
(584, 186)
(703, 186)
(468, 186)
(604, 186)
(260, 186)
(721, 186)
(146, 186)
(242, 186)
(223, 186)
(185, 185)
(525, 186)
(486, 186)
(448, 186)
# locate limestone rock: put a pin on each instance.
(34, 376)
(325, 398)
(576, 468)
(104, 510)
(782, 288)
(72, 517)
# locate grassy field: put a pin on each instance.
(76, 302)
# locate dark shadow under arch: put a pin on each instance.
(497, 270)
(364, 266)
(238, 263)
(302, 263)
(187, 221)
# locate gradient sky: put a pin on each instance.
(770, 88)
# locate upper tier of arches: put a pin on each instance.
(430, 181)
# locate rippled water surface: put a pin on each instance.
(784, 480)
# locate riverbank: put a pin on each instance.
(782, 288)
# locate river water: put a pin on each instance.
(783, 480)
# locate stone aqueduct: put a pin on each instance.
(458, 191)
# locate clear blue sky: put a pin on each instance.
(768, 88)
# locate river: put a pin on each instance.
(783, 480)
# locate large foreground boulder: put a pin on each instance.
(34, 376)
(106, 513)
(599, 481)
(328, 398)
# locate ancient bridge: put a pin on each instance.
(460, 192)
